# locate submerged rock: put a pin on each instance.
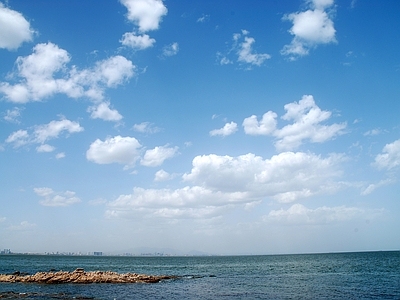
(80, 276)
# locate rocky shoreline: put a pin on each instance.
(81, 276)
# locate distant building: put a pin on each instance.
(5, 251)
(97, 253)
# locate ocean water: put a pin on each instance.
(363, 275)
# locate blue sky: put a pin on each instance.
(226, 127)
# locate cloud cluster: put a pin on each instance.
(52, 198)
(224, 182)
(14, 29)
(42, 133)
(306, 118)
(45, 73)
(126, 151)
(310, 28)
(146, 15)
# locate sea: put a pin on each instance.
(361, 275)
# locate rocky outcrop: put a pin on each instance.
(80, 276)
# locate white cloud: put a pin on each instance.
(187, 202)
(122, 150)
(37, 76)
(12, 115)
(155, 157)
(228, 129)
(14, 29)
(285, 177)
(52, 198)
(162, 175)
(390, 157)
(45, 148)
(53, 129)
(307, 118)
(43, 133)
(373, 132)
(137, 42)
(146, 127)
(104, 112)
(310, 28)
(170, 50)
(246, 55)
(60, 155)
(266, 126)
(298, 214)
(146, 14)
(373, 186)
(243, 48)
(18, 138)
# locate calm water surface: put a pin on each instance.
(364, 275)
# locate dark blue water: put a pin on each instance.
(365, 275)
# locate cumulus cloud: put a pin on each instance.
(118, 149)
(14, 29)
(170, 50)
(45, 73)
(265, 126)
(228, 129)
(162, 175)
(285, 177)
(42, 133)
(298, 214)
(146, 14)
(306, 117)
(137, 42)
(104, 112)
(187, 202)
(243, 48)
(146, 127)
(52, 198)
(156, 157)
(310, 28)
(390, 156)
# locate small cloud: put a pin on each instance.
(373, 132)
(104, 112)
(14, 29)
(12, 115)
(156, 157)
(373, 186)
(162, 175)
(45, 148)
(203, 18)
(170, 50)
(228, 129)
(52, 198)
(60, 155)
(137, 42)
(146, 127)
(310, 29)
(390, 156)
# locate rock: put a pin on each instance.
(80, 276)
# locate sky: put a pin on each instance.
(222, 127)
